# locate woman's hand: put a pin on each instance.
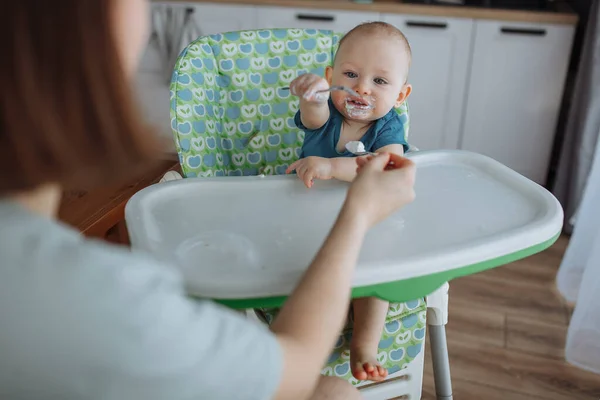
(306, 86)
(311, 168)
(380, 188)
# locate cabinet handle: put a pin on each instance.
(308, 17)
(523, 31)
(430, 25)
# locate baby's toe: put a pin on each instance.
(359, 372)
(369, 367)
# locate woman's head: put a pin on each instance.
(66, 111)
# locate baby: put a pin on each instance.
(373, 59)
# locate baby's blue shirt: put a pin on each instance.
(321, 142)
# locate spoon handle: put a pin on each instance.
(368, 153)
(364, 153)
(332, 88)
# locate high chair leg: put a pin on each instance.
(437, 318)
(440, 361)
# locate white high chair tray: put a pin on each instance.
(247, 240)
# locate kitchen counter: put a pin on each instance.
(557, 14)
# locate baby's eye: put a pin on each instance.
(379, 81)
(350, 74)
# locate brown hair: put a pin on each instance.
(378, 27)
(66, 110)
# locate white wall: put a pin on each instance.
(152, 90)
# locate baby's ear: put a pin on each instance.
(403, 95)
(329, 74)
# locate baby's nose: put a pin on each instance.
(362, 88)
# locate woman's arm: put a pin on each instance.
(312, 318)
(310, 321)
(170, 347)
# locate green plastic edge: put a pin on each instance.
(405, 290)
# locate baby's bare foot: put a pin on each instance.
(365, 365)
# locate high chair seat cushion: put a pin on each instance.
(231, 116)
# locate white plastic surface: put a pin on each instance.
(242, 237)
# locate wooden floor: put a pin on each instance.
(506, 335)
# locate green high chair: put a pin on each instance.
(231, 116)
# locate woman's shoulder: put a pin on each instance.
(84, 302)
(33, 245)
(81, 303)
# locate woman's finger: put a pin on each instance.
(397, 161)
(363, 160)
(404, 168)
(378, 162)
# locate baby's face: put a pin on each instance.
(376, 66)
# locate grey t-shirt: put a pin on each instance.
(81, 319)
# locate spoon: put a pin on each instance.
(342, 88)
(358, 148)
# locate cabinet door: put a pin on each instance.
(515, 91)
(218, 18)
(441, 49)
(304, 18)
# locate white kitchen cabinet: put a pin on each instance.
(152, 84)
(335, 20)
(217, 18)
(515, 89)
(441, 53)
(210, 18)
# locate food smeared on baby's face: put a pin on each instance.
(359, 107)
(375, 64)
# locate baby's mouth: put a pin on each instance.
(358, 107)
(358, 102)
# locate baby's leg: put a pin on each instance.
(369, 318)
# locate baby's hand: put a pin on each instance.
(311, 168)
(306, 86)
